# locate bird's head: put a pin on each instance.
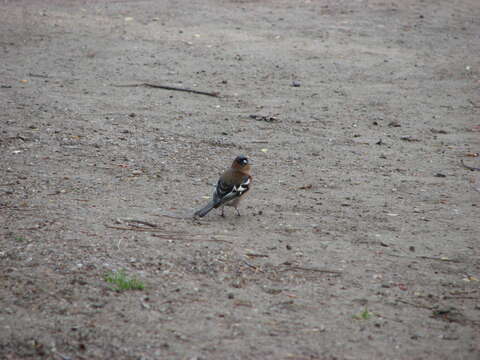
(241, 162)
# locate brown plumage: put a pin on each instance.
(231, 187)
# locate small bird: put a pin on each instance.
(231, 187)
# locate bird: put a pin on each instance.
(231, 187)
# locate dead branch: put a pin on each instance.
(173, 88)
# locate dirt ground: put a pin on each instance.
(359, 239)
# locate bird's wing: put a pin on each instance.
(226, 192)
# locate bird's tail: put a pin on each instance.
(205, 210)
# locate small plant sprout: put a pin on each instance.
(364, 315)
(122, 282)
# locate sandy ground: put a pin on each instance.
(360, 238)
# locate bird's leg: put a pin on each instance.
(238, 212)
(223, 212)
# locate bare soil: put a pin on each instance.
(360, 238)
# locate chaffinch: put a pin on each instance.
(231, 187)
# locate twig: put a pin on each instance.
(257, 255)
(140, 222)
(141, 229)
(293, 268)
(220, 240)
(9, 184)
(173, 238)
(167, 235)
(460, 297)
(424, 257)
(131, 228)
(413, 304)
(37, 75)
(173, 88)
(213, 94)
(252, 266)
(438, 259)
(469, 167)
(174, 216)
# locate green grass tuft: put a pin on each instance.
(122, 282)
